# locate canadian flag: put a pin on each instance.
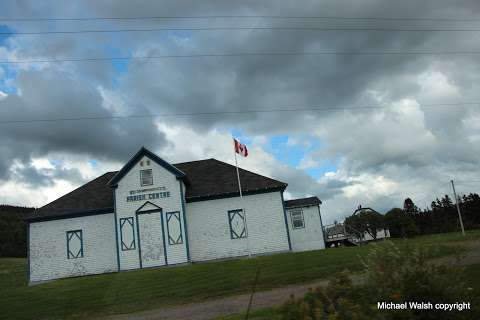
(241, 149)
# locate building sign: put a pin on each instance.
(132, 192)
(141, 195)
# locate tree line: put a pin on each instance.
(13, 231)
(442, 216)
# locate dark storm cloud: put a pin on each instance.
(219, 84)
(50, 94)
(33, 177)
(393, 143)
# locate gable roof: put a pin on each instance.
(91, 198)
(207, 179)
(139, 155)
(303, 202)
(212, 179)
(361, 209)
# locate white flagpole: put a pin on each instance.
(238, 176)
(241, 200)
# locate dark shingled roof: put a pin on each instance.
(216, 179)
(303, 202)
(205, 179)
(94, 196)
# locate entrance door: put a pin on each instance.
(150, 239)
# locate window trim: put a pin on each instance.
(301, 215)
(179, 240)
(141, 177)
(123, 245)
(79, 234)
(231, 216)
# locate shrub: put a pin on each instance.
(339, 300)
(391, 275)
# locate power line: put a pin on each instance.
(215, 113)
(466, 181)
(442, 19)
(249, 28)
(241, 54)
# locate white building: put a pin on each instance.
(382, 233)
(305, 224)
(152, 213)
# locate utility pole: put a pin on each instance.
(458, 208)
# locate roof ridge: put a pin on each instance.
(300, 202)
(302, 198)
(174, 164)
(257, 174)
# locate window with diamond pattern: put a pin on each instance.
(174, 228)
(74, 244)
(127, 235)
(236, 219)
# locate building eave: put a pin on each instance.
(69, 215)
(234, 194)
(303, 206)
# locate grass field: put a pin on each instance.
(131, 291)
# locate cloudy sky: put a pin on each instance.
(419, 135)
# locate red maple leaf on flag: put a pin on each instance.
(241, 149)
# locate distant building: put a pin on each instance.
(305, 224)
(152, 213)
(382, 233)
(342, 234)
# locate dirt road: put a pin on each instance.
(215, 308)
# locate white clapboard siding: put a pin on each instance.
(48, 247)
(209, 230)
(310, 237)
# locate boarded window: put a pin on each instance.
(236, 220)
(127, 235)
(146, 177)
(174, 228)
(74, 244)
(297, 219)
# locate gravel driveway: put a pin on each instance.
(219, 307)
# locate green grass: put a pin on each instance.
(472, 273)
(131, 291)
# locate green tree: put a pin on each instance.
(13, 231)
(410, 207)
(447, 202)
(400, 223)
(365, 220)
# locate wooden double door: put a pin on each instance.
(151, 240)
